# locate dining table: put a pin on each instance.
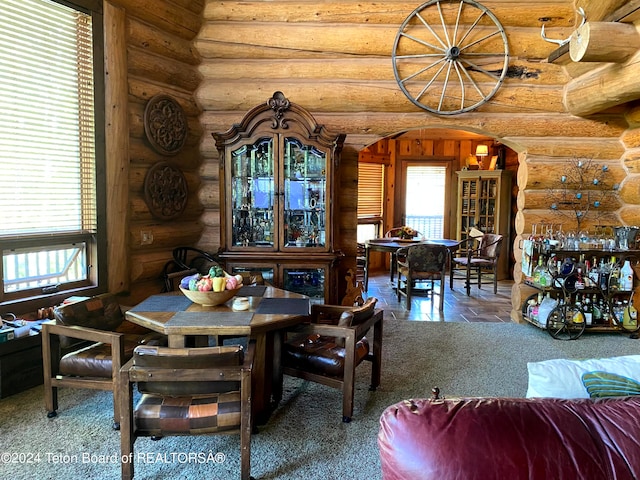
(393, 244)
(270, 311)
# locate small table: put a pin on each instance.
(392, 244)
(270, 311)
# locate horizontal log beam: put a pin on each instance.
(604, 42)
(152, 39)
(511, 14)
(165, 235)
(360, 68)
(541, 199)
(603, 88)
(543, 174)
(596, 11)
(165, 15)
(254, 40)
(159, 69)
(521, 128)
(526, 218)
(358, 97)
(557, 147)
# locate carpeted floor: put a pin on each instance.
(305, 437)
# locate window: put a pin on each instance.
(370, 200)
(427, 217)
(51, 148)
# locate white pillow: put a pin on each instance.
(603, 377)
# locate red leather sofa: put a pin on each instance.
(511, 439)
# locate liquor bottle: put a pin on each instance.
(596, 308)
(630, 316)
(579, 279)
(587, 310)
(606, 314)
(618, 312)
(541, 275)
(626, 277)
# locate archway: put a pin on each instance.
(433, 144)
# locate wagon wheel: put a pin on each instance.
(450, 56)
(566, 322)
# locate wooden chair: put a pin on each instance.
(418, 263)
(332, 344)
(186, 261)
(478, 261)
(87, 346)
(187, 391)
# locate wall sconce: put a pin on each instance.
(481, 152)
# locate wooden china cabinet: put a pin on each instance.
(484, 202)
(277, 171)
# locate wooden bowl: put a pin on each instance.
(210, 299)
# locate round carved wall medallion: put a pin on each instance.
(165, 191)
(165, 124)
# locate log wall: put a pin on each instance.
(334, 58)
(149, 50)
(221, 58)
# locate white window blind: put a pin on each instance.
(47, 138)
(425, 199)
(49, 235)
(370, 190)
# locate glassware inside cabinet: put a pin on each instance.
(252, 194)
(307, 281)
(305, 187)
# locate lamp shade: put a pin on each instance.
(482, 150)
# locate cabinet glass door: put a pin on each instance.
(486, 219)
(253, 194)
(307, 281)
(305, 187)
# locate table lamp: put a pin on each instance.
(481, 152)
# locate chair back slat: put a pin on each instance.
(184, 364)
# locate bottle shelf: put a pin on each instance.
(602, 295)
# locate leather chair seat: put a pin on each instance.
(95, 360)
(157, 415)
(321, 354)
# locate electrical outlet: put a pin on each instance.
(146, 237)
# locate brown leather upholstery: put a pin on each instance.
(321, 354)
(328, 349)
(511, 438)
(96, 340)
(187, 391)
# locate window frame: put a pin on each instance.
(377, 220)
(96, 251)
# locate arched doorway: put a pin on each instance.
(449, 146)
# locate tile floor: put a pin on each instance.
(481, 306)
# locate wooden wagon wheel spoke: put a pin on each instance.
(470, 48)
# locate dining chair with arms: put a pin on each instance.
(419, 263)
(332, 344)
(87, 346)
(187, 391)
(478, 261)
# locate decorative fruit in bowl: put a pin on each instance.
(212, 289)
